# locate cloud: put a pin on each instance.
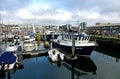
(43, 12)
(60, 11)
(3, 13)
(92, 15)
(24, 14)
(59, 15)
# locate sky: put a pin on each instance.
(59, 12)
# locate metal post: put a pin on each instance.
(62, 37)
(45, 37)
(73, 46)
(51, 45)
(5, 39)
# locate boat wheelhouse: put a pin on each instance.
(51, 34)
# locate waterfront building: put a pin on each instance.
(1, 25)
(111, 29)
(73, 28)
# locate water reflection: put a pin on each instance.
(9, 76)
(81, 66)
(3, 75)
(109, 51)
(6, 74)
(111, 54)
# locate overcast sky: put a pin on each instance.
(60, 11)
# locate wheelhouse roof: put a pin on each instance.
(78, 35)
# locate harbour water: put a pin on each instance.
(106, 67)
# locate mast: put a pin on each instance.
(33, 29)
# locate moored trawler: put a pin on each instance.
(83, 45)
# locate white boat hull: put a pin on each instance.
(9, 66)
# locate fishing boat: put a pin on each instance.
(55, 55)
(8, 60)
(82, 43)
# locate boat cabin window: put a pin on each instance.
(89, 38)
(75, 37)
(85, 38)
(79, 38)
(70, 36)
(11, 45)
(65, 36)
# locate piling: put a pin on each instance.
(73, 46)
(45, 36)
(20, 56)
(71, 56)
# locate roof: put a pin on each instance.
(80, 34)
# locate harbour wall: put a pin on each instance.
(109, 46)
(107, 42)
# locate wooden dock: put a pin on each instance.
(35, 53)
(24, 54)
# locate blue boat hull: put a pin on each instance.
(81, 50)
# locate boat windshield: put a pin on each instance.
(11, 45)
(77, 37)
(27, 41)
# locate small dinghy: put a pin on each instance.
(55, 55)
